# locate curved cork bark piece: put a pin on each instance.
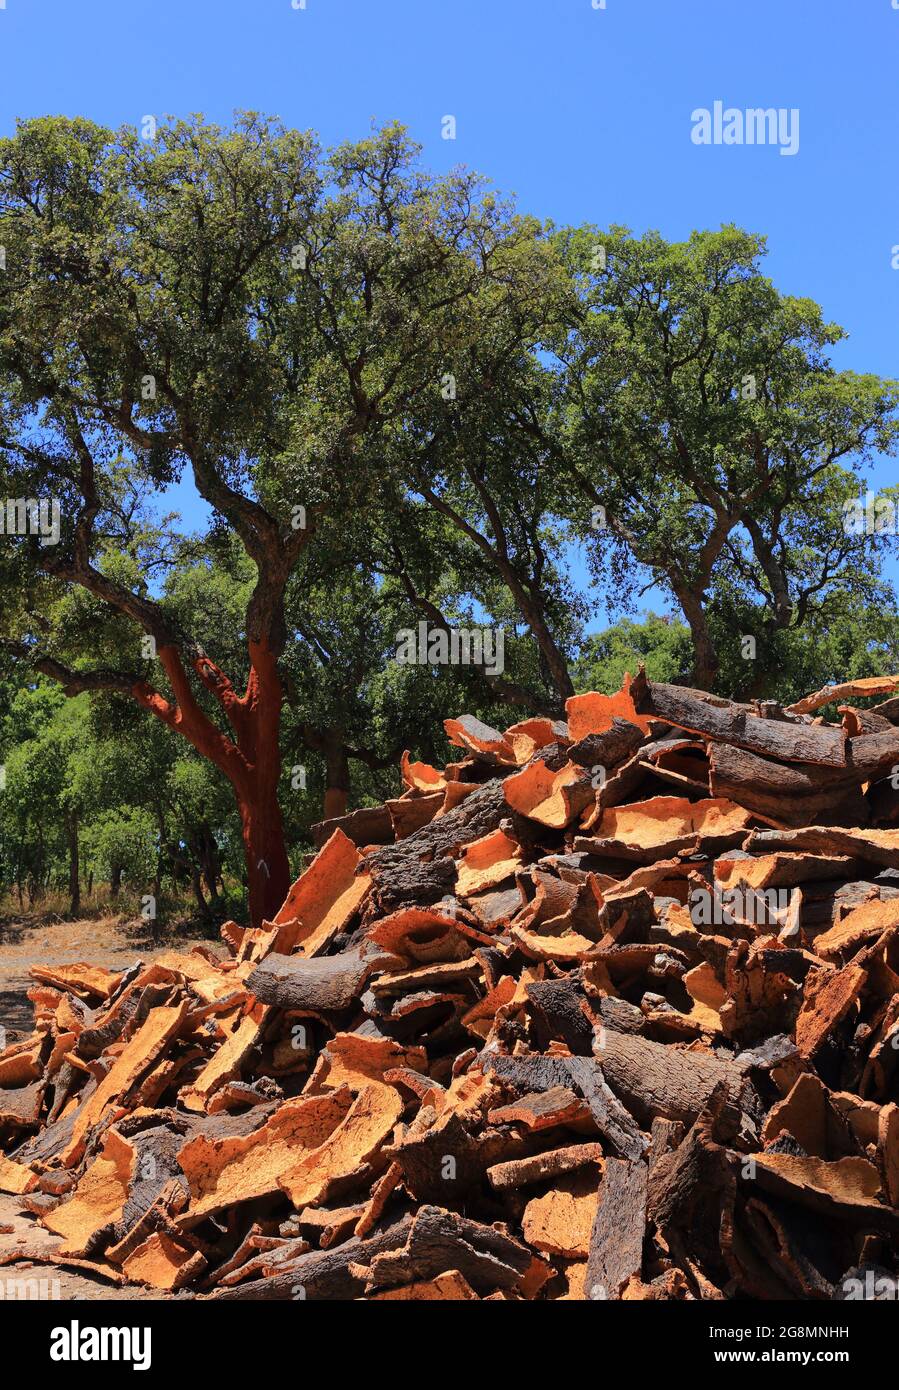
(486, 863)
(21, 1063)
(421, 776)
(594, 714)
(730, 723)
(226, 1062)
(552, 798)
(567, 946)
(352, 1144)
(323, 899)
(221, 1173)
(861, 925)
(560, 1221)
(845, 1187)
(414, 810)
(476, 737)
(85, 981)
(420, 934)
(666, 821)
(529, 735)
(137, 1056)
(161, 1263)
(15, 1177)
(829, 694)
(451, 1287)
(99, 1199)
(615, 1247)
(872, 846)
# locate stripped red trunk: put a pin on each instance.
(250, 760)
(268, 870)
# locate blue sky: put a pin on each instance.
(584, 113)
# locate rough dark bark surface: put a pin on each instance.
(786, 793)
(721, 720)
(321, 983)
(322, 1274)
(616, 1241)
(440, 1240)
(421, 869)
(371, 825)
(654, 1079)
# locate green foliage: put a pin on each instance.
(122, 841)
(661, 644)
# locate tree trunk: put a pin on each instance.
(74, 867)
(196, 883)
(533, 614)
(268, 870)
(36, 891)
(705, 658)
(209, 860)
(337, 789)
(251, 760)
(20, 887)
(161, 849)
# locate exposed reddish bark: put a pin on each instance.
(268, 870)
(250, 760)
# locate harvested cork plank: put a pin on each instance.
(522, 1172)
(161, 1263)
(866, 686)
(451, 1287)
(137, 1057)
(594, 714)
(366, 1126)
(323, 899)
(726, 722)
(551, 797)
(15, 1177)
(559, 1222)
(828, 997)
(99, 1198)
(615, 1247)
(664, 822)
(223, 1172)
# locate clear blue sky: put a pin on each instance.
(584, 113)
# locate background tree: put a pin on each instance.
(699, 409)
(659, 643)
(240, 305)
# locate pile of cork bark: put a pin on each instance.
(606, 1008)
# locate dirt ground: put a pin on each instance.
(115, 944)
(36, 1278)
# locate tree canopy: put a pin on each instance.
(403, 404)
